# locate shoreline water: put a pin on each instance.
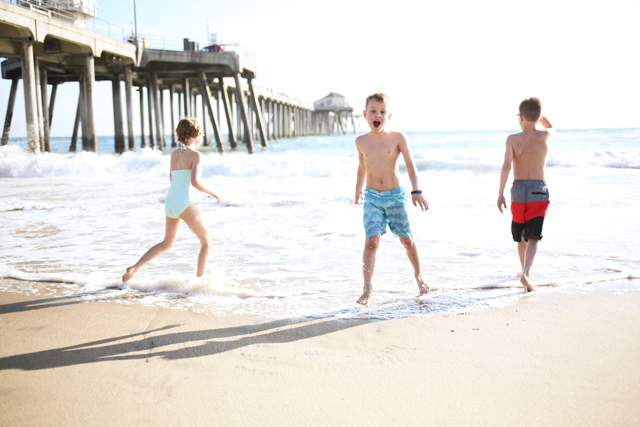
(554, 359)
(287, 238)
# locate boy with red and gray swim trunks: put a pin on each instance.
(527, 151)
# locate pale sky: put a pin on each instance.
(446, 65)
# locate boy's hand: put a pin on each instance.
(501, 202)
(419, 200)
(359, 197)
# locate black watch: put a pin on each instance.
(416, 192)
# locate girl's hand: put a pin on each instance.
(216, 196)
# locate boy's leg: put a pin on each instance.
(368, 265)
(529, 256)
(171, 232)
(412, 252)
(192, 217)
(522, 247)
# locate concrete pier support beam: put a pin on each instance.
(227, 111)
(118, 122)
(44, 97)
(163, 135)
(52, 102)
(288, 120)
(172, 111)
(9, 116)
(76, 125)
(152, 115)
(206, 103)
(89, 137)
(143, 139)
(157, 110)
(258, 110)
(180, 116)
(279, 120)
(206, 135)
(128, 91)
(186, 90)
(237, 120)
(36, 64)
(266, 108)
(218, 102)
(242, 114)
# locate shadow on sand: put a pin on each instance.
(168, 345)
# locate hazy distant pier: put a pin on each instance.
(47, 46)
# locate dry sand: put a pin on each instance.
(550, 360)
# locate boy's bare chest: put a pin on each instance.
(381, 152)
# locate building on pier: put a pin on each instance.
(46, 49)
(333, 113)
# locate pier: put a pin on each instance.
(47, 45)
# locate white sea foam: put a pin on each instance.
(17, 163)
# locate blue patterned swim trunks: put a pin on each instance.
(386, 207)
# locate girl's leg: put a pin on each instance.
(171, 232)
(194, 221)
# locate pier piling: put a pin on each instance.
(9, 116)
(163, 134)
(118, 124)
(143, 139)
(52, 103)
(76, 126)
(44, 96)
(254, 101)
(227, 111)
(172, 111)
(155, 98)
(89, 137)
(186, 90)
(128, 90)
(242, 115)
(206, 104)
(152, 119)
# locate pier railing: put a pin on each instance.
(154, 41)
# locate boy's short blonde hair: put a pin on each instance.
(378, 96)
(188, 128)
(531, 109)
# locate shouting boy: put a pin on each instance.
(527, 151)
(384, 197)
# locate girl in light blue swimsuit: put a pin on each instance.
(180, 202)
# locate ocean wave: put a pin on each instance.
(624, 159)
(176, 283)
(15, 162)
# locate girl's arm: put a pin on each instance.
(195, 173)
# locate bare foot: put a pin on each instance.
(365, 297)
(525, 281)
(129, 274)
(422, 286)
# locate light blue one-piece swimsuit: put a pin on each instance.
(181, 193)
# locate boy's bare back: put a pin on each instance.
(380, 155)
(529, 149)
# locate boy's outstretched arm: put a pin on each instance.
(361, 177)
(546, 124)
(418, 199)
(504, 175)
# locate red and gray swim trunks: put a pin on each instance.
(529, 204)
